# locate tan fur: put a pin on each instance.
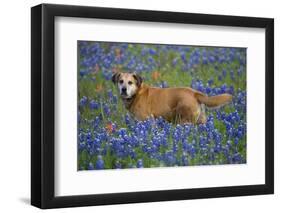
(179, 105)
(214, 101)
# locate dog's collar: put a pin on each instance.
(128, 101)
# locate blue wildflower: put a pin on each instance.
(139, 163)
(100, 163)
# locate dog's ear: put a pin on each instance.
(138, 79)
(116, 77)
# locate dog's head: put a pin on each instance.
(127, 83)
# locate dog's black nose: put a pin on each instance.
(124, 90)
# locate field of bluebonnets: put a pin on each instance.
(110, 138)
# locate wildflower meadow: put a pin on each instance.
(109, 137)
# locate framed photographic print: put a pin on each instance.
(140, 106)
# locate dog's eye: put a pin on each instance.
(130, 82)
(121, 81)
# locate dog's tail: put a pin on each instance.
(213, 101)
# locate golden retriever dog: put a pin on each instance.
(181, 105)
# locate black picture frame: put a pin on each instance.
(43, 105)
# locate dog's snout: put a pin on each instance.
(124, 90)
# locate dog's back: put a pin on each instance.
(179, 104)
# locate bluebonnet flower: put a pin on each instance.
(185, 160)
(118, 165)
(210, 82)
(152, 51)
(106, 109)
(139, 163)
(164, 84)
(83, 101)
(94, 105)
(83, 72)
(90, 166)
(169, 158)
(237, 158)
(183, 57)
(100, 163)
(240, 71)
(224, 73)
(175, 61)
(110, 94)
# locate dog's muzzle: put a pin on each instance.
(124, 91)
